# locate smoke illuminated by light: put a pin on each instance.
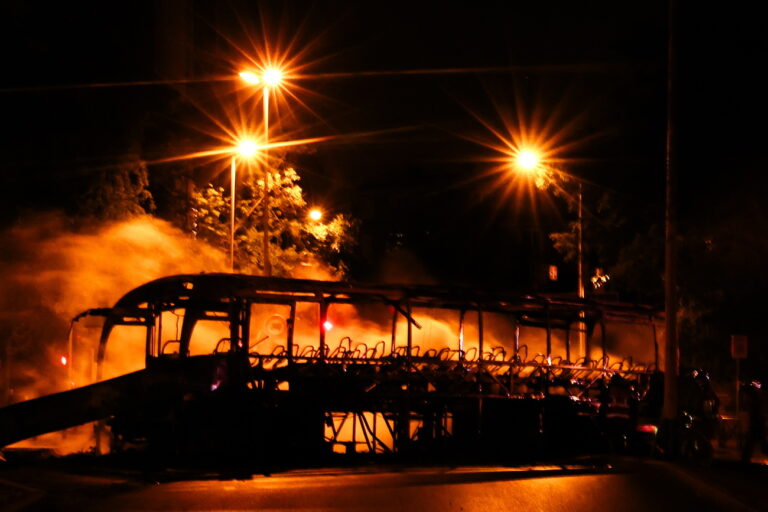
(70, 271)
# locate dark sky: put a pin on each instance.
(598, 68)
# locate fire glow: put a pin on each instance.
(56, 273)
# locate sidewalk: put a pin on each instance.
(729, 449)
(743, 481)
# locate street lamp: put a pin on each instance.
(246, 149)
(250, 77)
(529, 161)
(270, 78)
(315, 214)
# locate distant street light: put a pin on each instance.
(269, 78)
(246, 149)
(315, 214)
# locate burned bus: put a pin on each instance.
(281, 369)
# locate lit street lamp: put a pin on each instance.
(315, 214)
(529, 162)
(269, 78)
(250, 77)
(246, 149)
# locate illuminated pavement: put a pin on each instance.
(625, 485)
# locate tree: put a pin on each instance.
(296, 243)
(120, 193)
(720, 279)
(638, 266)
(601, 222)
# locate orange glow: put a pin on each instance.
(218, 153)
(530, 163)
(263, 69)
(527, 160)
(250, 77)
(277, 57)
(526, 146)
(247, 148)
(262, 63)
(315, 214)
(260, 69)
(63, 360)
(272, 77)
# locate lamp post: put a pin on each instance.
(529, 162)
(269, 78)
(245, 149)
(580, 270)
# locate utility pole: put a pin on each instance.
(672, 352)
(265, 199)
(580, 270)
(7, 372)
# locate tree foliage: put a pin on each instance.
(296, 243)
(602, 226)
(121, 193)
(720, 281)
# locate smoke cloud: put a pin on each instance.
(51, 270)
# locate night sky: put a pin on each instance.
(594, 72)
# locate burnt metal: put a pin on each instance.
(378, 397)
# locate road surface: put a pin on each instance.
(620, 484)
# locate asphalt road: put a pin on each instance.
(621, 484)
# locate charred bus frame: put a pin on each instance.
(390, 397)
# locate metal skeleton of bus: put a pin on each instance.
(251, 366)
(374, 395)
